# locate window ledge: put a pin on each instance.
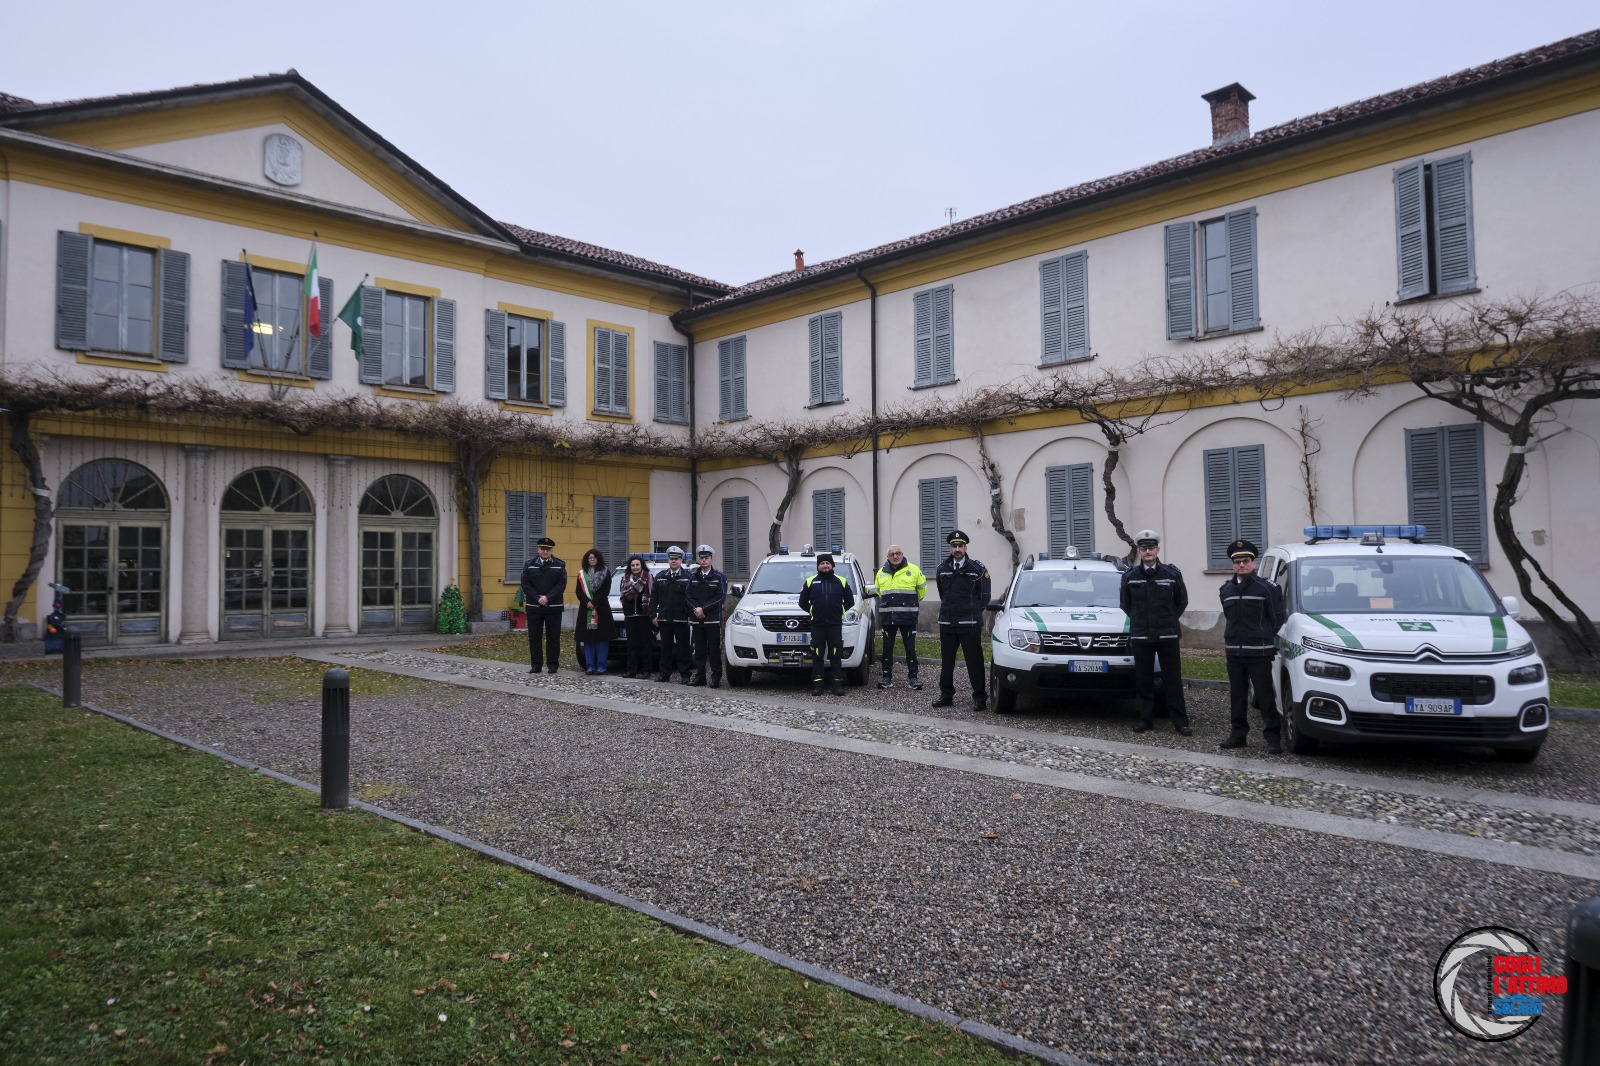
(122, 362)
(1216, 334)
(610, 416)
(525, 407)
(1425, 297)
(406, 392)
(736, 418)
(933, 384)
(826, 403)
(671, 421)
(1091, 357)
(298, 381)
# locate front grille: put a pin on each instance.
(1469, 689)
(779, 623)
(1071, 641)
(1442, 726)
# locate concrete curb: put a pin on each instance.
(1007, 1042)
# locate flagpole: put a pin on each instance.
(252, 327)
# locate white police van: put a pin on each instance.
(1060, 630)
(768, 631)
(1390, 639)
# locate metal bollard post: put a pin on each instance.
(72, 670)
(1580, 1033)
(335, 739)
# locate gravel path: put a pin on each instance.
(1117, 931)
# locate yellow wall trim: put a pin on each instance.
(523, 407)
(124, 236)
(281, 379)
(282, 266)
(117, 362)
(406, 287)
(405, 394)
(525, 312)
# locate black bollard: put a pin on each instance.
(72, 670)
(335, 739)
(1580, 1033)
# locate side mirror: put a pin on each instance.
(995, 605)
(1511, 604)
(737, 590)
(870, 591)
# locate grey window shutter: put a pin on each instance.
(1250, 493)
(1236, 499)
(814, 340)
(1452, 223)
(664, 361)
(1244, 311)
(1180, 280)
(1058, 509)
(535, 526)
(1075, 304)
(1411, 230)
(832, 356)
(618, 552)
(1463, 448)
(741, 406)
(620, 378)
(927, 523)
(1080, 504)
(947, 509)
(319, 350)
(73, 251)
(827, 519)
(234, 277)
(517, 552)
(725, 379)
(944, 343)
(444, 345)
(602, 369)
(558, 364)
(602, 527)
(173, 329)
(729, 528)
(494, 354)
(742, 536)
(1425, 482)
(1051, 324)
(1219, 506)
(371, 335)
(680, 380)
(922, 329)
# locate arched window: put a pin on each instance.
(397, 496)
(112, 485)
(267, 491)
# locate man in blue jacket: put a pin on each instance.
(1154, 597)
(707, 590)
(964, 590)
(826, 597)
(544, 579)
(1254, 610)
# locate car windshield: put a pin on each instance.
(785, 578)
(1067, 588)
(1383, 583)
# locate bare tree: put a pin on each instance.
(43, 513)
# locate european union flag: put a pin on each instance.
(249, 312)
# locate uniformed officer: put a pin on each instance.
(901, 587)
(707, 591)
(670, 613)
(826, 597)
(1254, 611)
(963, 594)
(544, 579)
(1153, 597)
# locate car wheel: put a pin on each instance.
(1517, 754)
(738, 676)
(857, 675)
(1004, 699)
(1294, 740)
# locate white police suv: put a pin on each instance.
(768, 631)
(1390, 639)
(1060, 630)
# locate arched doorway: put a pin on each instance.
(111, 551)
(399, 524)
(267, 520)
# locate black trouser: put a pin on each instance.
(707, 639)
(675, 655)
(969, 638)
(827, 645)
(640, 638)
(544, 637)
(1256, 674)
(910, 634)
(1145, 653)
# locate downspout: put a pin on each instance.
(694, 457)
(872, 335)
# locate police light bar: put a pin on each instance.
(783, 549)
(653, 557)
(1410, 532)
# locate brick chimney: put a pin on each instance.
(799, 260)
(1230, 114)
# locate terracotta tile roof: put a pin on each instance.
(1349, 114)
(135, 97)
(583, 250)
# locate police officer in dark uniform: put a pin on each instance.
(1254, 612)
(826, 597)
(1153, 597)
(707, 591)
(544, 579)
(670, 612)
(963, 594)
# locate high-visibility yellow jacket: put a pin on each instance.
(899, 591)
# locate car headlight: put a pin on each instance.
(1526, 675)
(1024, 639)
(1323, 668)
(744, 618)
(851, 617)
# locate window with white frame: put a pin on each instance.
(1211, 275)
(525, 358)
(407, 340)
(121, 299)
(1433, 227)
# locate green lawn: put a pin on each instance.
(156, 905)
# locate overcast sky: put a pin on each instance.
(719, 137)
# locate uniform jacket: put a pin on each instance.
(670, 597)
(963, 591)
(544, 577)
(826, 598)
(1254, 611)
(900, 590)
(1154, 603)
(707, 591)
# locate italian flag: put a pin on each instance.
(313, 297)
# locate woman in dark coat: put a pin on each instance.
(635, 586)
(596, 628)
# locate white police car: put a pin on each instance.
(1390, 639)
(1060, 630)
(768, 631)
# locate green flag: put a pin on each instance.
(350, 315)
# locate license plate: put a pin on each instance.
(793, 638)
(1086, 666)
(1432, 705)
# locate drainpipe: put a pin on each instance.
(872, 334)
(694, 460)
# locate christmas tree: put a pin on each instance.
(452, 610)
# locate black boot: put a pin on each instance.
(838, 687)
(946, 699)
(816, 687)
